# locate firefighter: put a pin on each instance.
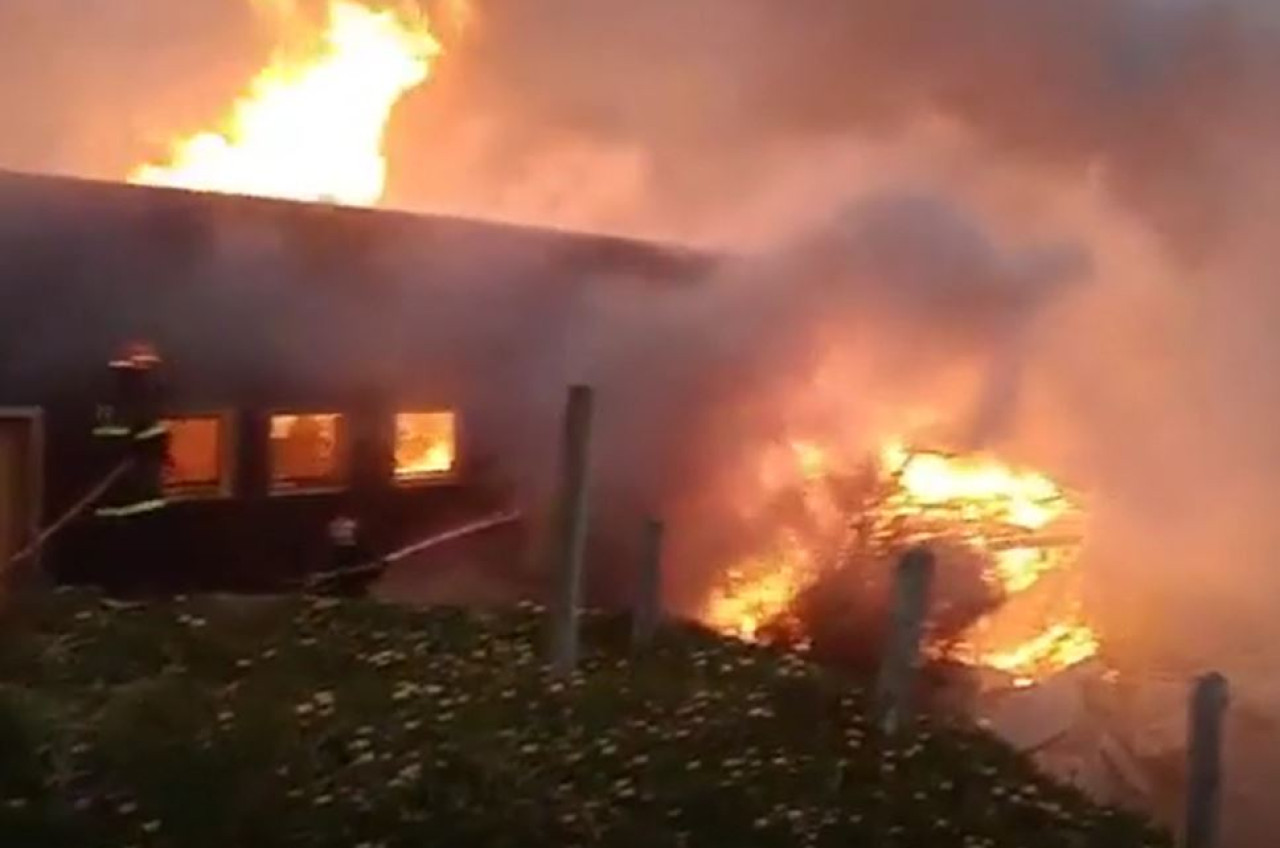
(349, 559)
(131, 429)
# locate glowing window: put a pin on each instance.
(426, 445)
(197, 455)
(306, 451)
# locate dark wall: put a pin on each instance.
(248, 539)
(259, 305)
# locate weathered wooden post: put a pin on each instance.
(569, 533)
(1209, 699)
(912, 582)
(647, 612)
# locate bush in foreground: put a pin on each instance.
(312, 723)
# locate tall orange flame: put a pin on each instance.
(311, 126)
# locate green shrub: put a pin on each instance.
(315, 723)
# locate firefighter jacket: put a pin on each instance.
(131, 431)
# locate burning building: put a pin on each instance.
(314, 355)
(320, 355)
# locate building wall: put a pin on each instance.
(260, 305)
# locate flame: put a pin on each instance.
(311, 126)
(1018, 569)
(812, 458)
(1061, 645)
(979, 485)
(1020, 522)
(760, 591)
(984, 503)
(425, 444)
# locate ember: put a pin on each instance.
(311, 126)
(1061, 646)
(1021, 527)
(761, 591)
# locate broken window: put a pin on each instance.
(426, 445)
(197, 455)
(307, 451)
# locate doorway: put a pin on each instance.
(21, 480)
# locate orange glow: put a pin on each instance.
(305, 449)
(1061, 645)
(812, 459)
(983, 503)
(1024, 527)
(760, 591)
(195, 453)
(426, 444)
(978, 485)
(312, 123)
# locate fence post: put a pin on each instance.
(912, 582)
(648, 604)
(1209, 698)
(569, 532)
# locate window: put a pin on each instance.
(197, 455)
(307, 451)
(426, 445)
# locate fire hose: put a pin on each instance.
(496, 520)
(71, 514)
(102, 485)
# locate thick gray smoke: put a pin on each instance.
(912, 185)
(707, 381)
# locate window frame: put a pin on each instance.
(442, 478)
(228, 444)
(344, 455)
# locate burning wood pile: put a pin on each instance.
(1007, 599)
(1006, 606)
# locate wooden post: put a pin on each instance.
(569, 533)
(647, 611)
(1209, 700)
(912, 583)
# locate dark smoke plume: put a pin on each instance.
(1137, 138)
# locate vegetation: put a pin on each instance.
(310, 722)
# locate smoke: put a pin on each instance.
(838, 336)
(1041, 228)
(1137, 136)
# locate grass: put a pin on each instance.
(309, 722)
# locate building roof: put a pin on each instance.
(234, 288)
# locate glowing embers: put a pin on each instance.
(1061, 645)
(760, 593)
(308, 451)
(1009, 541)
(198, 455)
(426, 445)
